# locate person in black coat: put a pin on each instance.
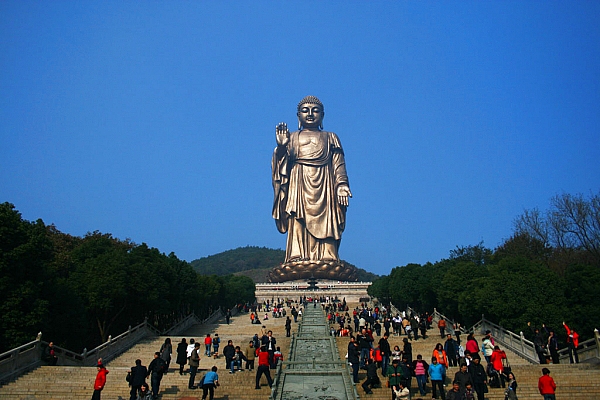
(464, 378)
(372, 378)
(269, 342)
(137, 379)
(353, 358)
(156, 369)
(478, 376)
(182, 355)
(228, 352)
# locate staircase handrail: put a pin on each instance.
(116, 346)
(27, 357)
(514, 342)
(394, 310)
(17, 361)
(184, 324)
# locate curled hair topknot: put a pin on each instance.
(310, 100)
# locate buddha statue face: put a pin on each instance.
(310, 116)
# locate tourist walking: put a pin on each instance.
(250, 354)
(572, 344)
(496, 361)
(553, 347)
(100, 380)
(511, 388)
(269, 342)
(288, 327)
(442, 327)
(400, 392)
(487, 348)
(216, 342)
(145, 393)
(421, 367)
(394, 375)
(472, 346)
(156, 369)
(437, 373)
(354, 359)
(207, 344)
(137, 378)
(181, 355)
(546, 385)
(165, 353)
(478, 376)
(194, 364)
(50, 355)
(454, 393)
(372, 378)
(211, 382)
(384, 349)
(263, 367)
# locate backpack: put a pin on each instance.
(201, 383)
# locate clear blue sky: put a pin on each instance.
(155, 120)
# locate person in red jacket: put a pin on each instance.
(100, 380)
(263, 367)
(572, 343)
(546, 385)
(496, 360)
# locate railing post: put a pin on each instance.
(597, 337)
(39, 336)
(522, 342)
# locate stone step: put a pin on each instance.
(50, 383)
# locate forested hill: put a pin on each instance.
(252, 261)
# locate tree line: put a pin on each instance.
(79, 290)
(546, 272)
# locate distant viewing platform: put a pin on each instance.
(352, 291)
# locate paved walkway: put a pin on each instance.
(314, 371)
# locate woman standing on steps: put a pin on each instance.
(511, 391)
(182, 355)
(165, 352)
(100, 380)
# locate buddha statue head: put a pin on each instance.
(310, 113)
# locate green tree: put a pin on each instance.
(25, 252)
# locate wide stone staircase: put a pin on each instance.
(574, 381)
(60, 383)
(581, 381)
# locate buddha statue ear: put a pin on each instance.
(321, 125)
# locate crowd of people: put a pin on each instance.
(481, 366)
(369, 329)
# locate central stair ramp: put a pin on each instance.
(314, 370)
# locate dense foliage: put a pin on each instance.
(79, 290)
(547, 272)
(252, 258)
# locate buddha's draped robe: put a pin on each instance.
(306, 175)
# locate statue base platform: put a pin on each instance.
(353, 292)
(305, 269)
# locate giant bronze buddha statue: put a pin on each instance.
(311, 196)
